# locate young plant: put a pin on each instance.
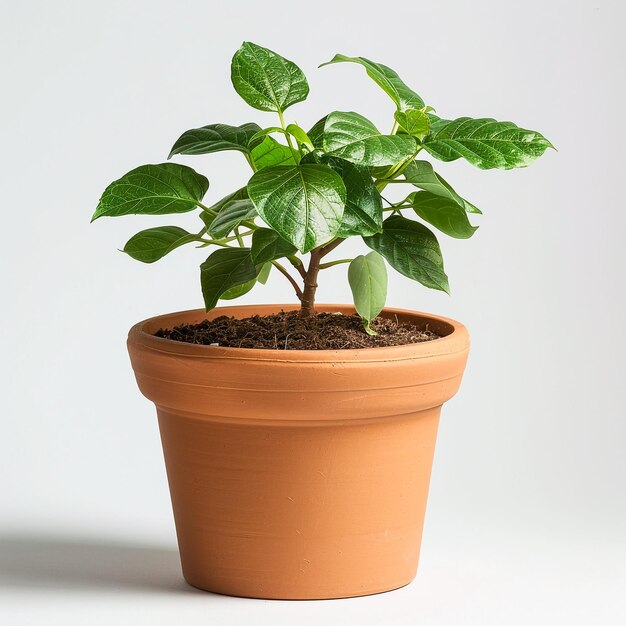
(311, 190)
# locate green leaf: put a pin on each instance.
(352, 137)
(301, 137)
(316, 134)
(485, 143)
(444, 214)
(231, 215)
(261, 134)
(265, 80)
(317, 157)
(304, 203)
(412, 250)
(422, 175)
(215, 138)
(363, 213)
(224, 269)
(208, 216)
(268, 245)
(413, 121)
(238, 290)
(239, 194)
(153, 190)
(270, 153)
(367, 276)
(152, 244)
(385, 78)
(264, 274)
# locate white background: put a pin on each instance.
(527, 514)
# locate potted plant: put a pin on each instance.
(299, 440)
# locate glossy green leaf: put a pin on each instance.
(485, 143)
(208, 216)
(367, 275)
(352, 137)
(153, 190)
(261, 134)
(386, 78)
(442, 213)
(152, 244)
(411, 249)
(363, 213)
(215, 138)
(316, 134)
(268, 245)
(264, 274)
(224, 269)
(304, 203)
(413, 121)
(265, 80)
(239, 194)
(231, 215)
(422, 175)
(238, 290)
(317, 157)
(270, 153)
(300, 135)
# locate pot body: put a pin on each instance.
(298, 474)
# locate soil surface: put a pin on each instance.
(288, 331)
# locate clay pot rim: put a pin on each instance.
(454, 341)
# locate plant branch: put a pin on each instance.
(250, 161)
(294, 154)
(324, 266)
(395, 171)
(289, 277)
(239, 238)
(298, 264)
(329, 247)
(207, 209)
(212, 242)
(223, 241)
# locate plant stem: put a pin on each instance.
(206, 209)
(250, 162)
(289, 277)
(310, 284)
(395, 171)
(212, 242)
(219, 242)
(324, 266)
(310, 276)
(294, 154)
(329, 247)
(239, 238)
(298, 264)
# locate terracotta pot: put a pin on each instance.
(298, 474)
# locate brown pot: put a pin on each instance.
(298, 474)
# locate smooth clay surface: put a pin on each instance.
(298, 475)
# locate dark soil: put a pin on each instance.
(288, 331)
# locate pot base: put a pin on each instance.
(358, 594)
(299, 512)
